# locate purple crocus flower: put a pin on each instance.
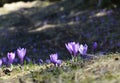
(95, 46)
(40, 61)
(28, 60)
(48, 61)
(59, 62)
(83, 49)
(21, 54)
(11, 57)
(4, 60)
(0, 62)
(54, 59)
(73, 48)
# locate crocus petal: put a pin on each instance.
(69, 48)
(83, 49)
(0, 62)
(59, 62)
(75, 48)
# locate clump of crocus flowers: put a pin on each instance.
(10, 59)
(75, 49)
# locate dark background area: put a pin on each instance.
(43, 31)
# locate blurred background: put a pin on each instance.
(44, 26)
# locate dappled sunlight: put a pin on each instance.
(11, 29)
(102, 13)
(16, 6)
(42, 28)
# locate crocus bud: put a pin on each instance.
(54, 59)
(11, 57)
(21, 54)
(83, 49)
(95, 45)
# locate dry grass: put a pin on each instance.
(105, 69)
